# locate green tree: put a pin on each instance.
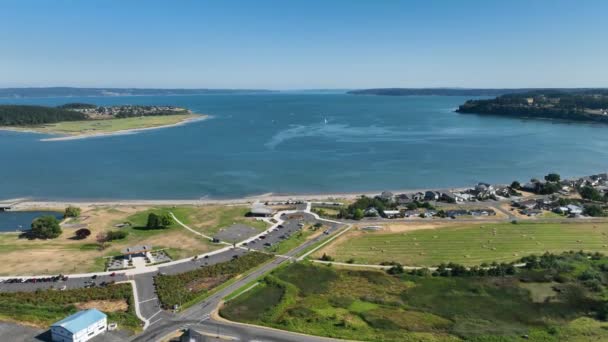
(71, 212)
(153, 221)
(552, 177)
(166, 220)
(590, 193)
(46, 227)
(515, 185)
(593, 210)
(358, 214)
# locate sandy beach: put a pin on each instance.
(102, 135)
(29, 204)
(124, 132)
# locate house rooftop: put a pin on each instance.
(80, 320)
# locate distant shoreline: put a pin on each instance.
(78, 136)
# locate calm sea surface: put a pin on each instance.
(281, 143)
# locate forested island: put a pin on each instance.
(82, 119)
(436, 91)
(574, 105)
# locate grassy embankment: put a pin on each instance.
(296, 239)
(88, 127)
(42, 308)
(187, 288)
(373, 306)
(468, 244)
(66, 255)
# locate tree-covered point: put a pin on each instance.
(18, 115)
(578, 105)
(77, 105)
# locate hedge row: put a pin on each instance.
(45, 307)
(173, 289)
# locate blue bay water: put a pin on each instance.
(280, 143)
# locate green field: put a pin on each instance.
(373, 306)
(469, 244)
(108, 125)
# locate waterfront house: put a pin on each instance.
(79, 327)
(403, 199)
(419, 196)
(387, 196)
(431, 196)
(449, 197)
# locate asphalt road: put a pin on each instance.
(200, 315)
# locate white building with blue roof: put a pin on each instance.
(79, 327)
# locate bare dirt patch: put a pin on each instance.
(207, 283)
(104, 305)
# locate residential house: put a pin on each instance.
(371, 212)
(527, 204)
(431, 196)
(403, 199)
(419, 196)
(574, 209)
(387, 196)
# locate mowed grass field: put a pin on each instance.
(68, 255)
(110, 125)
(469, 244)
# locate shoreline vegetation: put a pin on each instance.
(78, 120)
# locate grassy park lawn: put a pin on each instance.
(211, 219)
(67, 255)
(42, 308)
(468, 244)
(109, 125)
(373, 306)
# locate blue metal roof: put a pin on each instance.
(80, 320)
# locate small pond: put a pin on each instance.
(11, 221)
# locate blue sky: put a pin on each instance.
(304, 43)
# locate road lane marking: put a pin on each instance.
(158, 320)
(148, 300)
(159, 311)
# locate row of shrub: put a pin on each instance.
(173, 289)
(44, 307)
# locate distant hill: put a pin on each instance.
(75, 92)
(453, 91)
